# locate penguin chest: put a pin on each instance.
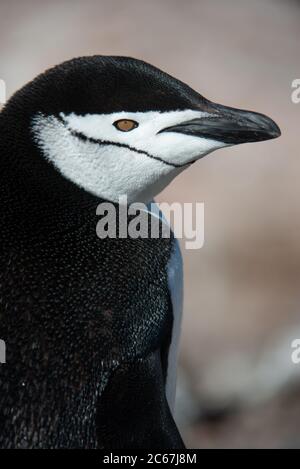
(73, 312)
(108, 299)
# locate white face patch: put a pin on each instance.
(90, 151)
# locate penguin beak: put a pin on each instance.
(228, 125)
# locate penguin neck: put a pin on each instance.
(35, 198)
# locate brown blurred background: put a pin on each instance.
(237, 384)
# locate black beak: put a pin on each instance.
(230, 126)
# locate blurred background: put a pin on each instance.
(238, 387)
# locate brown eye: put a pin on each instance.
(125, 125)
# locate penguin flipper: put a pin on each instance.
(133, 411)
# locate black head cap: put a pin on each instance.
(105, 84)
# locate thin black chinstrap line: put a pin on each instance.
(84, 138)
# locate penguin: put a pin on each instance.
(91, 325)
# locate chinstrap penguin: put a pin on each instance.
(91, 325)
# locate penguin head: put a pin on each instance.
(118, 126)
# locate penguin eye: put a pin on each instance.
(125, 125)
